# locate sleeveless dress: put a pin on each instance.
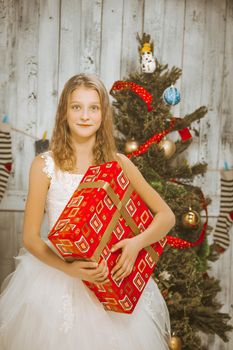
(43, 308)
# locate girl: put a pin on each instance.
(46, 305)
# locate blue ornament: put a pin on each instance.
(171, 96)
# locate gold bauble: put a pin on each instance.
(131, 146)
(168, 146)
(175, 343)
(190, 219)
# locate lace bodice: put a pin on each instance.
(62, 186)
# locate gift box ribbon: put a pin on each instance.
(121, 211)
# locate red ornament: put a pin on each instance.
(139, 90)
(185, 134)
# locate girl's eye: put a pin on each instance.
(95, 108)
(76, 107)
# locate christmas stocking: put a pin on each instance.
(5, 156)
(225, 220)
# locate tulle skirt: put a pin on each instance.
(43, 308)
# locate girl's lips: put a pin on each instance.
(85, 125)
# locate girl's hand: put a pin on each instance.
(89, 271)
(126, 260)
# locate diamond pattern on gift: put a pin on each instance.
(141, 227)
(111, 301)
(73, 212)
(126, 303)
(141, 266)
(99, 207)
(100, 288)
(96, 223)
(163, 241)
(82, 245)
(122, 180)
(75, 201)
(145, 216)
(61, 223)
(108, 165)
(139, 282)
(65, 246)
(128, 289)
(69, 227)
(86, 230)
(118, 231)
(106, 253)
(130, 207)
(149, 260)
(108, 202)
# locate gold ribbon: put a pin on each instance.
(121, 211)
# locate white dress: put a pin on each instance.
(43, 308)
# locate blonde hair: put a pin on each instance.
(61, 145)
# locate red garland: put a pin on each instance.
(154, 139)
(139, 90)
(179, 243)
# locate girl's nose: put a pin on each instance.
(85, 115)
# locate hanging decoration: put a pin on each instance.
(175, 342)
(178, 243)
(171, 96)
(185, 134)
(225, 218)
(131, 146)
(139, 90)
(190, 219)
(168, 146)
(5, 155)
(148, 63)
(42, 145)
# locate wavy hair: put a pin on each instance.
(61, 145)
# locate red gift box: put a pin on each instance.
(103, 210)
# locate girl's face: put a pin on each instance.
(84, 113)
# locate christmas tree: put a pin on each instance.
(144, 126)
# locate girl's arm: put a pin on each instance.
(34, 212)
(162, 223)
(164, 219)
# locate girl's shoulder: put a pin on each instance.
(124, 161)
(46, 162)
(130, 169)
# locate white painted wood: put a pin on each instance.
(69, 59)
(48, 70)
(211, 93)
(111, 41)
(154, 23)
(90, 36)
(13, 200)
(192, 67)
(26, 103)
(132, 24)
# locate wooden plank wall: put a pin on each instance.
(44, 42)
